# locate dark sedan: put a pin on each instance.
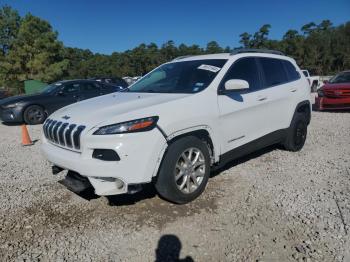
(114, 81)
(34, 109)
(3, 94)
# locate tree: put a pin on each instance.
(308, 28)
(9, 25)
(213, 47)
(169, 51)
(260, 38)
(245, 39)
(29, 49)
(325, 25)
(36, 53)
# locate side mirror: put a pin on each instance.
(236, 84)
(325, 81)
(60, 93)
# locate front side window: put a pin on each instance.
(71, 88)
(273, 71)
(51, 88)
(180, 77)
(340, 78)
(244, 69)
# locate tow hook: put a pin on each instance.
(133, 189)
(56, 170)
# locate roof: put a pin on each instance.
(239, 51)
(199, 57)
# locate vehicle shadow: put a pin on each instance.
(12, 123)
(148, 191)
(169, 248)
(221, 168)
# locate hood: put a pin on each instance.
(18, 99)
(337, 86)
(113, 107)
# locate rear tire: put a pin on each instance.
(296, 134)
(34, 115)
(184, 171)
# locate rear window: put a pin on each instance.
(273, 71)
(292, 72)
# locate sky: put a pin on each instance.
(105, 26)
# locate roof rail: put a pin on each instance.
(180, 57)
(255, 50)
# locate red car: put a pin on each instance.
(335, 94)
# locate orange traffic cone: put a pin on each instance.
(26, 141)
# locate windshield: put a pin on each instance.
(343, 77)
(50, 88)
(180, 77)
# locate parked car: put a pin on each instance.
(34, 109)
(314, 81)
(178, 122)
(119, 83)
(335, 93)
(3, 94)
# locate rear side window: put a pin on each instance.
(90, 87)
(273, 71)
(292, 72)
(245, 69)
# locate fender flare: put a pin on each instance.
(301, 106)
(187, 131)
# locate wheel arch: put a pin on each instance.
(33, 104)
(304, 107)
(202, 132)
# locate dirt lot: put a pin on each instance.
(270, 206)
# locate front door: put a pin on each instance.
(68, 94)
(243, 116)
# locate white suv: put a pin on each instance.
(178, 122)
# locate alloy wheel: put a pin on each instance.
(190, 170)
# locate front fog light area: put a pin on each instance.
(105, 186)
(119, 183)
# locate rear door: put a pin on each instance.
(280, 89)
(107, 88)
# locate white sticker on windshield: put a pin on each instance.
(210, 68)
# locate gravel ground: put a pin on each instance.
(270, 206)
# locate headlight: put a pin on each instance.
(138, 125)
(9, 106)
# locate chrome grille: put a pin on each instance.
(63, 134)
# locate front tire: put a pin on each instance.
(184, 171)
(34, 115)
(296, 134)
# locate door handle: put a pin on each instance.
(262, 98)
(293, 90)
